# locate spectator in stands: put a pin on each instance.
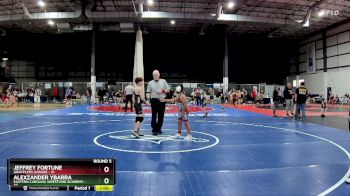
(245, 95)
(238, 96)
(6, 98)
(276, 100)
(9, 99)
(197, 93)
(119, 96)
(56, 94)
(234, 97)
(346, 98)
(227, 95)
(203, 102)
(29, 96)
(88, 95)
(331, 99)
(242, 97)
(211, 94)
(100, 95)
(78, 96)
(9, 88)
(15, 95)
(300, 98)
(110, 91)
(337, 100)
(68, 95)
(39, 93)
(288, 98)
(260, 99)
(192, 98)
(21, 96)
(254, 94)
(222, 99)
(323, 106)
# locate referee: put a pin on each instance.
(128, 92)
(157, 89)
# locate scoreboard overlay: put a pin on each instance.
(95, 174)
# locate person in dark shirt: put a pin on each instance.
(301, 96)
(197, 93)
(276, 100)
(222, 98)
(88, 95)
(69, 94)
(110, 91)
(288, 97)
(100, 94)
(323, 106)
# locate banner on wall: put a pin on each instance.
(218, 85)
(311, 57)
(194, 85)
(186, 85)
(36, 99)
(262, 89)
(47, 85)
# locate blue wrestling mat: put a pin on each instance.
(231, 153)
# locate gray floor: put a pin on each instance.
(340, 122)
(331, 121)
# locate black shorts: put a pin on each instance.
(211, 97)
(139, 119)
(138, 108)
(128, 98)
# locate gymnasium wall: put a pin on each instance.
(338, 61)
(179, 57)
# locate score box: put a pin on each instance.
(61, 174)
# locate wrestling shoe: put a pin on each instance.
(177, 136)
(188, 137)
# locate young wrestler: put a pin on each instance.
(139, 96)
(181, 102)
(323, 106)
(204, 104)
(222, 97)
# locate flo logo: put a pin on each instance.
(328, 13)
(165, 143)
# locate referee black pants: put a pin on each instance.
(158, 109)
(128, 99)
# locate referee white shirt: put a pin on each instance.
(129, 90)
(156, 88)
